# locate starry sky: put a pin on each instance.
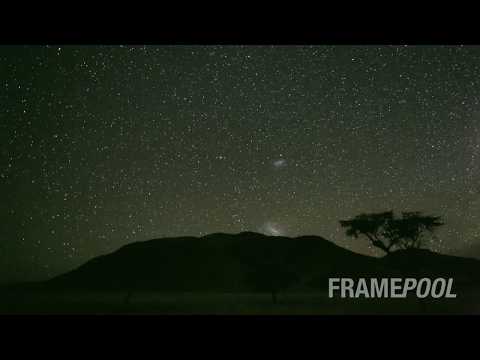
(106, 145)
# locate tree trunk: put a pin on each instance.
(128, 297)
(274, 297)
(380, 245)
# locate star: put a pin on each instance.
(108, 145)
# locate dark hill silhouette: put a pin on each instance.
(425, 263)
(471, 251)
(223, 262)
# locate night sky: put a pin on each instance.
(105, 145)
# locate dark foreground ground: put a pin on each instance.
(34, 302)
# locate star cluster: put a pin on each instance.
(105, 145)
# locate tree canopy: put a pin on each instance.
(388, 233)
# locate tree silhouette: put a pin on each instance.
(272, 277)
(269, 268)
(387, 233)
(413, 228)
(371, 226)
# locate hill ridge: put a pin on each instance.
(224, 262)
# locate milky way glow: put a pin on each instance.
(273, 229)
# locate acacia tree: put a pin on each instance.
(413, 229)
(387, 233)
(372, 227)
(269, 268)
(272, 277)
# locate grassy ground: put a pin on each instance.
(211, 303)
